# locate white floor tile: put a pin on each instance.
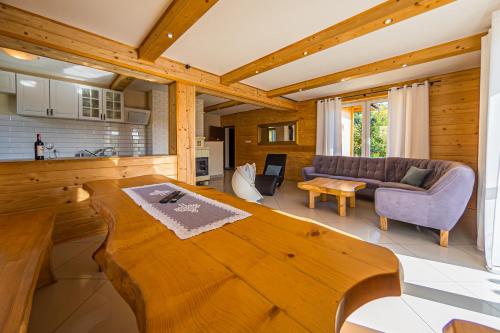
(389, 315)
(105, 311)
(438, 314)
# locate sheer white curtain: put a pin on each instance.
(488, 206)
(408, 134)
(329, 127)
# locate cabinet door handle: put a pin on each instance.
(51, 112)
(47, 111)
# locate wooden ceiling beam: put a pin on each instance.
(177, 19)
(222, 106)
(28, 32)
(446, 50)
(368, 21)
(121, 82)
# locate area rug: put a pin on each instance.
(191, 215)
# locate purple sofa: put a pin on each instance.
(438, 204)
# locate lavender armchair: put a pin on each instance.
(439, 203)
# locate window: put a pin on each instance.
(369, 122)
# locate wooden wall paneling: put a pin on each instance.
(39, 184)
(183, 102)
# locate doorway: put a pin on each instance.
(229, 148)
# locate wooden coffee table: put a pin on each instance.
(342, 189)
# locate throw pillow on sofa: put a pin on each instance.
(415, 176)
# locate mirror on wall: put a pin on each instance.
(284, 133)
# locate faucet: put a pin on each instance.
(102, 151)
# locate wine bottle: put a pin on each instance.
(39, 148)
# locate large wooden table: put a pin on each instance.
(267, 273)
(323, 187)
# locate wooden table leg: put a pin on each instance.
(324, 197)
(312, 197)
(341, 203)
(352, 202)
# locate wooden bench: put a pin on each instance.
(25, 264)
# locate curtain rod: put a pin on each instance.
(381, 90)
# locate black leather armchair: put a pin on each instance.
(265, 183)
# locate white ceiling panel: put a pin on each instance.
(236, 109)
(126, 21)
(209, 100)
(443, 66)
(235, 32)
(56, 68)
(456, 20)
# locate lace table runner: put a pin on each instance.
(189, 216)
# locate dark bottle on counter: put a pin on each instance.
(39, 148)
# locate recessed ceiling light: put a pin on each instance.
(20, 55)
(388, 21)
(300, 89)
(342, 80)
(256, 72)
(404, 65)
(306, 53)
(170, 35)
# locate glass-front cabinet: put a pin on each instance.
(113, 105)
(89, 103)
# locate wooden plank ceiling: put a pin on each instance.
(376, 18)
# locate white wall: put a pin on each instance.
(157, 129)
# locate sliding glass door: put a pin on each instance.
(368, 132)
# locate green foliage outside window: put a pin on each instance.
(357, 133)
(378, 130)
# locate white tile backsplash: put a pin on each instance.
(18, 134)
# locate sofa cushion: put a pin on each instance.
(325, 164)
(396, 168)
(401, 186)
(415, 176)
(372, 168)
(347, 166)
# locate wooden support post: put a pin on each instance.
(443, 238)
(182, 126)
(384, 224)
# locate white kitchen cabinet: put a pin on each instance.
(90, 103)
(113, 105)
(63, 100)
(32, 96)
(7, 82)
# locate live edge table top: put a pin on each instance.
(269, 272)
